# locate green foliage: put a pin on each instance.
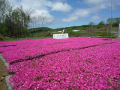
(3, 29)
(40, 29)
(105, 34)
(91, 23)
(2, 9)
(114, 21)
(17, 23)
(100, 24)
(14, 24)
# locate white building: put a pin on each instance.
(75, 30)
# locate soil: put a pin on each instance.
(3, 73)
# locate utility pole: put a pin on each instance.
(119, 32)
(111, 17)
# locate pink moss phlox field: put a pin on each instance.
(93, 68)
(32, 48)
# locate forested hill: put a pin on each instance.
(40, 29)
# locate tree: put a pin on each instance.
(101, 23)
(2, 37)
(41, 21)
(115, 21)
(17, 22)
(4, 8)
(91, 27)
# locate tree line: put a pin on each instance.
(13, 22)
(114, 21)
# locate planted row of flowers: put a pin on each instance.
(32, 48)
(77, 69)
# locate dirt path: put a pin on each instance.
(3, 73)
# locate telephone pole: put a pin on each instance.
(111, 7)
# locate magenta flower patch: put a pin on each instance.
(67, 64)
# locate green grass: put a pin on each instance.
(25, 38)
(82, 33)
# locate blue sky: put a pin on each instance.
(64, 13)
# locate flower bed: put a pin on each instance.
(75, 63)
(32, 48)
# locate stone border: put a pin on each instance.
(3, 60)
(10, 87)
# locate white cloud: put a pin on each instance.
(95, 18)
(42, 8)
(39, 9)
(70, 19)
(80, 13)
(94, 1)
(102, 4)
(95, 7)
(42, 17)
(43, 4)
(59, 6)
